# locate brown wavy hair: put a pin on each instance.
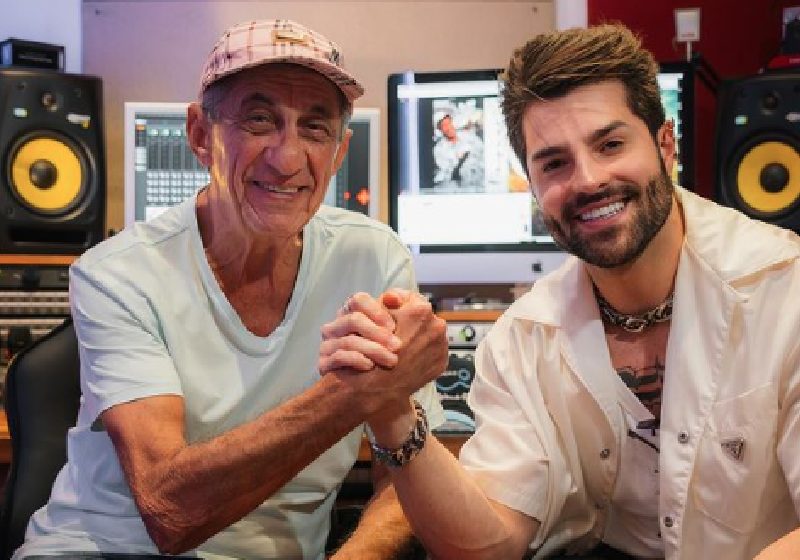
(553, 64)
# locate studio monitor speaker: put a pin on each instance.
(758, 147)
(52, 181)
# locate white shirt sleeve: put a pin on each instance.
(122, 356)
(511, 457)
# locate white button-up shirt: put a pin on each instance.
(547, 408)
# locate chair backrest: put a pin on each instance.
(42, 397)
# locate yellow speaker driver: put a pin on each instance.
(47, 175)
(768, 177)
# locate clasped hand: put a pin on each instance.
(390, 347)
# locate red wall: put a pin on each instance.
(737, 37)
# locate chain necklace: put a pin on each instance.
(634, 323)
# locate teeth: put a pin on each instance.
(276, 189)
(603, 211)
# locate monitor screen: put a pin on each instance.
(459, 197)
(161, 170)
(357, 182)
(676, 82)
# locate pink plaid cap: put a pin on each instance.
(253, 43)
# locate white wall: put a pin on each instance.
(48, 21)
(571, 13)
(153, 50)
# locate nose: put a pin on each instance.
(285, 155)
(589, 174)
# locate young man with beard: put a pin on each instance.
(643, 400)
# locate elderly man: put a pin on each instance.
(643, 400)
(205, 427)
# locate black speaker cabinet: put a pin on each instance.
(758, 147)
(52, 182)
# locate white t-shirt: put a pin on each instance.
(152, 320)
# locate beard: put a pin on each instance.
(619, 245)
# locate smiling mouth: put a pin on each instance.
(277, 188)
(602, 212)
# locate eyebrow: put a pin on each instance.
(606, 130)
(551, 151)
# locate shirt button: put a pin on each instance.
(683, 437)
(668, 522)
(605, 453)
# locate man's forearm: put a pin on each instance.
(451, 515)
(783, 549)
(383, 533)
(187, 493)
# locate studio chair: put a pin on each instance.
(41, 399)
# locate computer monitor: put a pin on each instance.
(357, 182)
(459, 197)
(161, 170)
(676, 82)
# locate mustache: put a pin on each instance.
(613, 191)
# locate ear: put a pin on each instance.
(342, 150)
(666, 143)
(198, 133)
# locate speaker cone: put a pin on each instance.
(766, 173)
(47, 173)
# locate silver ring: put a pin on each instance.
(346, 307)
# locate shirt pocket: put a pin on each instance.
(736, 459)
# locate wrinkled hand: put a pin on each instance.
(361, 337)
(361, 342)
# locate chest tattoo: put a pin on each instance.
(646, 383)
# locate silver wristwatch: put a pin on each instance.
(402, 455)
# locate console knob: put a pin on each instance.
(468, 333)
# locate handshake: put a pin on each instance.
(384, 350)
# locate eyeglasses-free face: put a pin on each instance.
(273, 140)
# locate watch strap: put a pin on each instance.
(410, 448)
